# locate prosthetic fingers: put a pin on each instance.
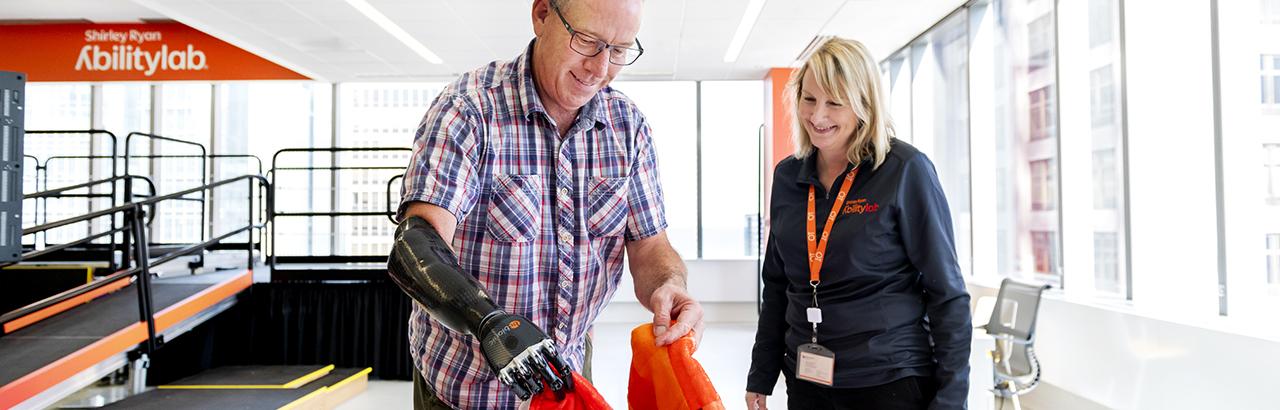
(519, 352)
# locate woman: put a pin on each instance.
(864, 304)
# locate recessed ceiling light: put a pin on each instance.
(744, 30)
(382, 21)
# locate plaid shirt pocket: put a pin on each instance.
(607, 207)
(514, 214)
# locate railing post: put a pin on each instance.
(127, 198)
(136, 219)
(249, 212)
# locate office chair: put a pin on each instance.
(1015, 368)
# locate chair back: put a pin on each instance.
(1013, 324)
(1014, 314)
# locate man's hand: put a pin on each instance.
(757, 401)
(660, 274)
(672, 301)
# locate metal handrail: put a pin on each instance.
(54, 193)
(43, 205)
(134, 216)
(60, 193)
(332, 167)
(391, 214)
(204, 168)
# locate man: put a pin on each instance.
(539, 176)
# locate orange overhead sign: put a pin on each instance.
(128, 52)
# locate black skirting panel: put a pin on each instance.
(346, 324)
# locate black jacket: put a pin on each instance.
(893, 299)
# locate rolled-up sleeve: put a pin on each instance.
(446, 150)
(927, 233)
(645, 214)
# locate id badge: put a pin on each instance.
(815, 364)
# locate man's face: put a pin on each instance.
(566, 79)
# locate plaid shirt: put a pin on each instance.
(542, 219)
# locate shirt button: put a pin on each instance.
(565, 283)
(564, 192)
(566, 238)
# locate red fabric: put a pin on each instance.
(667, 377)
(583, 397)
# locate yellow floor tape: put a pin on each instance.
(298, 382)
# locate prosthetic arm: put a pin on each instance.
(520, 353)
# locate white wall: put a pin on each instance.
(1125, 360)
(725, 288)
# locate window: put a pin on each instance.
(258, 119)
(1044, 248)
(1273, 259)
(1106, 262)
(185, 113)
(1272, 169)
(899, 90)
(1013, 111)
(1043, 186)
(1270, 11)
(941, 117)
(125, 108)
(1102, 97)
(1270, 66)
(1040, 42)
(732, 114)
(1101, 22)
(1042, 113)
(671, 108)
(57, 107)
(1106, 180)
(373, 115)
(1249, 45)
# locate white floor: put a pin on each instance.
(725, 354)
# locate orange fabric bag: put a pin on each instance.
(667, 377)
(583, 397)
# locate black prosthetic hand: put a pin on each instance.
(519, 352)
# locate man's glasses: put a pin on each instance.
(589, 46)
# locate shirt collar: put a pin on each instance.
(531, 103)
(808, 174)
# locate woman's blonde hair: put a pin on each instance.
(847, 72)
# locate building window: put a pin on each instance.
(1040, 42)
(1044, 246)
(1273, 259)
(1041, 112)
(373, 115)
(1270, 11)
(1102, 96)
(1270, 66)
(1105, 180)
(1043, 194)
(1106, 261)
(1272, 168)
(1100, 22)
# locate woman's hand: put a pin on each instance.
(756, 401)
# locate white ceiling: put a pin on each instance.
(329, 40)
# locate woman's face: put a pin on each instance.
(830, 124)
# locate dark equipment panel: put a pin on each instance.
(12, 94)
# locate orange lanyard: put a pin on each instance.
(818, 247)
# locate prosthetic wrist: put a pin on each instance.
(519, 352)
